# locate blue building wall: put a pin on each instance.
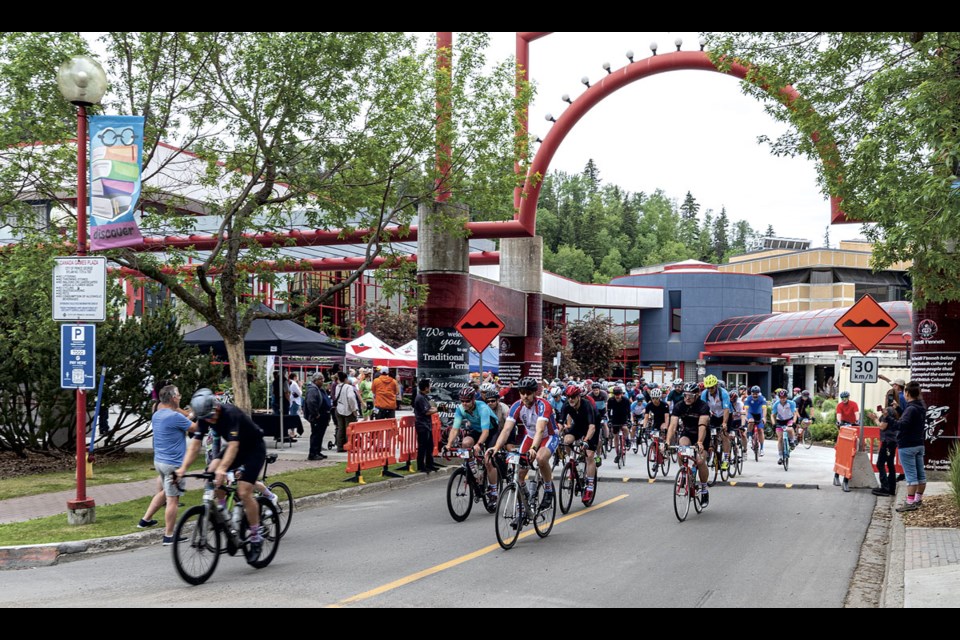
(706, 299)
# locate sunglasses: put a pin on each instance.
(527, 393)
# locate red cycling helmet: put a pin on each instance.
(572, 391)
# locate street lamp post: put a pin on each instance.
(82, 82)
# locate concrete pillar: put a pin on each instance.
(443, 267)
(934, 364)
(521, 268)
(810, 379)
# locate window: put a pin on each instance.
(675, 308)
(735, 379)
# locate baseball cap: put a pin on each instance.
(900, 382)
(384, 369)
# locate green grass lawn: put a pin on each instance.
(122, 518)
(132, 467)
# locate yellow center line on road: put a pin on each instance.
(413, 577)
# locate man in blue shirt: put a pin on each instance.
(480, 429)
(170, 428)
(756, 406)
(784, 412)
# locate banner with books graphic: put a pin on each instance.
(116, 152)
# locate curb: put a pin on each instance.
(729, 483)
(868, 581)
(49, 554)
(893, 595)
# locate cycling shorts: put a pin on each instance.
(249, 464)
(783, 424)
(756, 417)
(548, 442)
(580, 434)
(693, 437)
(615, 428)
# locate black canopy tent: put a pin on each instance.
(268, 337)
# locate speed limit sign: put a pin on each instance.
(864, 370)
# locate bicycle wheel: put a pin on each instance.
(567, 488)
(543, 520)
(724, 473)
(652, 464)
(739, 462)
(284, 505)
(644, 444)
(269, 531)
(713, 467)
(621, 453)
(681, 495)
(196, 546)
(807, 438)
(508, 522)
(756, 449)
(664, 465)
(459, 495)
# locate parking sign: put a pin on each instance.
(78, 356)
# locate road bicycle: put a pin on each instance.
(736, 452)
(755, 439)
(284, 503)
(714, 455)
(520, 502)
(686, 490)
(620, 442)
(205, 531)
(784, 444)
(803, 433)
(640, 443)
(468, 485)
(573, 478)
(656, 458)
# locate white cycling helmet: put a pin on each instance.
(655, 393)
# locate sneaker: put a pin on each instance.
(780, 460)
(168, 540)
(546, 501)
(761, 453)
(793, 445)
(492, 498)
(587, 495)
(275, 501)
(316, 457)
(146, 524)
(724, 465)
(616, 460)
(704, 498)
(908, 506)
(253, 551)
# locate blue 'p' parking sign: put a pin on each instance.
(78, 355)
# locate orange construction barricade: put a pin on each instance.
(406, 442)
(371, 444)
(873, 433)
(845, 450)
(436, 434)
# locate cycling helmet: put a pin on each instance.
(595, 385)
(844, 394)
(528, 384)
(723, 385)
(678, 382)
(572, 391)
(655, 393)
(691, 387)
(754, 389)
(491, 394)
(556, 391)
(203, 403)
(468, 394)
(796, 390)
(487, 386)
(617, 390)
(710, 381)
(700, 386)
(805, 393)
(781, 393)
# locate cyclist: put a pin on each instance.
(637, 410)
(718, 400)
(756, 406)
(804, 404)
(556, 399)
(796, 394)
(618, 410)
(676, 394)
(848, 412)
(600, 397)
(692, 416)
(784, 412)
(481, 426)
(245, 451)
(540, 427)
(735, 427)
(657, 415)
(579, 418)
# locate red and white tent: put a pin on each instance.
(370, 347)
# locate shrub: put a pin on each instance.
(955, 474)
(818, 401)
(824, 431)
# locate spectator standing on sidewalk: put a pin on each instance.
(316, 409)
(910, 440)
(366, 392)
(170, 428)
(423, 409)
(886, 458)
(386, 392)
(346, 401)
(295, 401)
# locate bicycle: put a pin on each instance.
(620, 441)
(686, 491)
(803, 433)
(201, 531)
(284, 504)
(467, 485)
(514, 511)
(573, 480)
(755, 439)
(655, 457)
(736, 453)
(714, 453)
(783, 425)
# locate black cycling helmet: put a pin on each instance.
(595, 385)
(691, 387)
(528, 384)
(203, 403)
(467, 394)
(491, 394)
(844, 394)
(754, 389)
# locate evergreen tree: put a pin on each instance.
(705, 241)
(742, 234)
(689, 232)
(770, 232)
(721, 235)
(826, 237)
(592, 173)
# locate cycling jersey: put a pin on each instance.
(582, 417)
(480, 419)
(847, 411)
(689, 417)
(618, 411)
(755, 405)
(658, 413)
(736, 412)
(600, 399)
(803, 406)
(638, 408)
(674, 397)
(556, 404)
(784, 411)
(717, 403)
(233, 425)
(528, 416)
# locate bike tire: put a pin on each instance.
(459, 495)
(284, 504)
(270, 530)
(756, 451)
(196, 546)
(681, 495)
(665, 466)
(621, 454)
(739, 463)
(713, 468)
(695, 499)
(507, 513)
(785, 450)
(544, 519)
(807, 438)
(567, 489)
(644, 444)
(652, 464)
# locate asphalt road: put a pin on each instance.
(401, 548)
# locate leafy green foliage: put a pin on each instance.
(552, 343)
(879, 110)
(595, 344)
(954, 474)
(824, 431)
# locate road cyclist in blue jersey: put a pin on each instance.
(480, 428)
(784, 413)
(540, 427)
(637, 410)
(718, 400)
(556, 399)
(756, 409)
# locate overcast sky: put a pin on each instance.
(680, 131)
